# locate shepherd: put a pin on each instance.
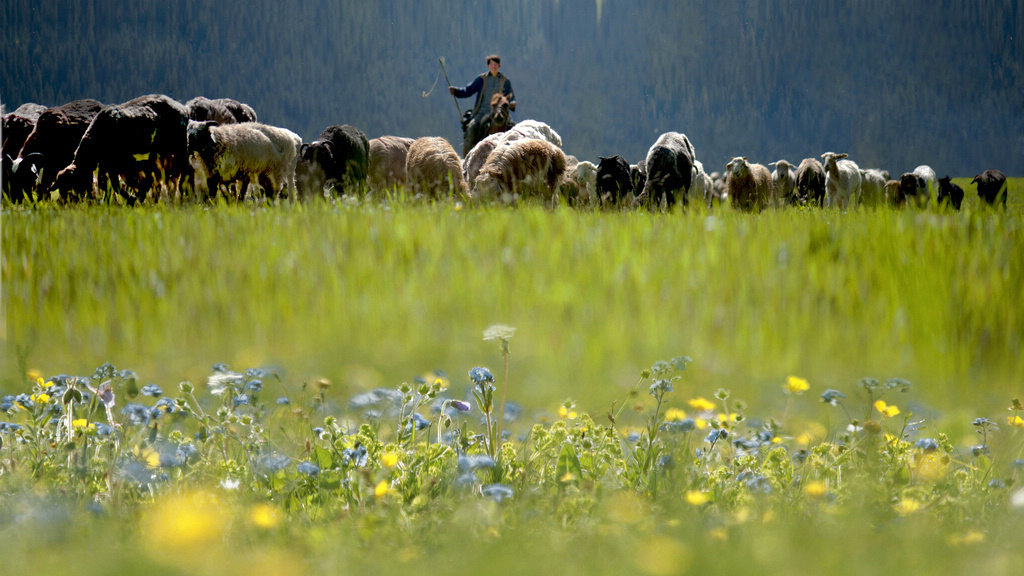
(485, 86)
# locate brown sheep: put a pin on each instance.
(387, 161)
(749, 186)
(522, 168)
(433, 168)
(893, 196)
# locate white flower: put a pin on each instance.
(499, 332)
(229, 484)
(1017, 499)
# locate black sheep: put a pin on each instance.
(669, 170)
(51, 146)
(991, 187)
(614, 183)
(141, 141)
(949, 192)
(16, 127)
(340, 156)
(810, 182)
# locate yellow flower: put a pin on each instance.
(83, 423)
(971, 537)
(1015, 421)
(815, 489)
(697, 498)
(702, 404)
(41, 398)
(907, 506)
(389, 459)
(382, 489)
(886, 409)
(674, 415)
(795, 385)
(564, 412)
(44, 384)
(180, 524)
(264, 516)
(34, 374)
(148, 456)
(701, 423)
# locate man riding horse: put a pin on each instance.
(485, 86)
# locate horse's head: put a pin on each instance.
(501, 115)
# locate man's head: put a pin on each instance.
(493, 63)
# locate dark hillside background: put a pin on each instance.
(895, 84)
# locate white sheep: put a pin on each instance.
(476, 157)
(585, 176)
(872, 187)
(243, 152)
(842, 181)
(701, 186)
(531, 129)
(784, 181)
(930, 179)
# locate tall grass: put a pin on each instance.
(375, 295)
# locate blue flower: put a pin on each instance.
(497, 492)
(755, 482)
(984, 423)
(375, 398)
(660, 388)
(356, 455)
(167, 405)
(475, 462)
(282, 401)
(927, 444)
(666, 462)
(481, 375)
(103, 429)
(979, 449)
(716, 434)
(254, 385)
(219, 367)
(242, 400)
(151, 390)
(137, 414)
(832, 397)
(678, 426)
(308, 468)
(273, 462)
(996, 483)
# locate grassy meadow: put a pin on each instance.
(328, 301)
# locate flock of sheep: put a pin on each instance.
(154, 146)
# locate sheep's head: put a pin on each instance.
(738, 167)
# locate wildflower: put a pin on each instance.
(996, 484)
(272, 462)
(832, 397)
(151, 390)
(702, 404)
(1015, 421)
(230, 484)
(985, 423)
(381, 489)
(264, 516)
(885, 409)
(475, 462)
(356, 455)
(716, 434)
(660, 388)
(815, 489)
(795, 385)
(44, 383)
(183, 524)
(460, 405)
(308, 468)
(417, 421)
(482, 378)
(564, 413)
(678, 426)
(40, 398)
(282, 401)
(497, 492)
(907, 506)
(499, 332)
(674, 415)
(971, 537)
(979, 449)
(389, 460)
(929, 467)
(927, 444)
(697, 498)
(147, 455)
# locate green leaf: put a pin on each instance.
(132, 389)
(323, 458)
(568, 470)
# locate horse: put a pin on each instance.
(499, 119)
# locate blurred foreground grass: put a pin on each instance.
(369, 296)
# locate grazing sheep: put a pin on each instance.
(614, 184)
(203, 109)
(810, 182)
(243, 152)
(240, 110)
(749, 186)
(949, 193)
(585, 175)
(340, 157)
(433, 168)
(930, 179)
(842, 181)
(387, 162)
(669, 165)
(784, 182)
(17, 126)
(701, 186)
(893, 195)
(476, 157)
(872, 187)
(51, 145)
(532, 129)
(992, 187)
(140, 141)
(522, 169)
(913, 187)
